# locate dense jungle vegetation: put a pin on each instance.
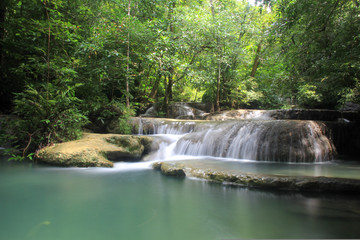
(65, 64)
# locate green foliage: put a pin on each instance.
(121, 117)
(321, 45)
(67, 61)
(47, 113)
(209, 96)
(113, 116)
(308, 96)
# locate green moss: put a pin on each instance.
(82, 159)
(170, 169)
(128, 143)
(96, 150)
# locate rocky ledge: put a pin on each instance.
(263, 181)
(96, 150)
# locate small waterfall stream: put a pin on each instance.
(264, 140)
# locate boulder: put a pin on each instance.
(170, 169)
(350, 106)
(179, 110)
(96, 150)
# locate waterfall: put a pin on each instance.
(264, 140)
(174, 127)
(141, 128)
(166, 126)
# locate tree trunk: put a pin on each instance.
(256, 60)
(218, 87)
(48, 43)
(212, 8)
(218, 78)
(155, 87)
(3, 5)
(4, 98)
(170, 84)
(356, 3)
(166, 96)
(128, 60)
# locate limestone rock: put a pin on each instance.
(95, 150)
(180, 110)
(170, 169)
(262, 181)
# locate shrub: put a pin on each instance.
(307, 95)
(47, 113)
(112, 117)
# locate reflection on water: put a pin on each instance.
(55, 203)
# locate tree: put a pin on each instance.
(128, 60)
(321, 47)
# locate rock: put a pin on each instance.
(133, 147)
(349, 106)
(170, 169)
(262, 181)
(95, 150)
(179, 110)
(157, 165)
(290, 114)
(241, 114)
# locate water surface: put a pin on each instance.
(139, 203)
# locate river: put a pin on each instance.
(132, 201)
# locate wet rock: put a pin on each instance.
(133, 147)
(179, 110)
(84, 158)
(242, 114)
(286, 114)
(263, 181)
(157, 165)
(349, 106)
(170, 169)
(96, 150)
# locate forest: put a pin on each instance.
(67, 64)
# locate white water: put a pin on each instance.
(141, 128)
(275, 140)
(174, 127)
(244, 140)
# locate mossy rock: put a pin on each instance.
(85, 158)
(96, 150)
(170, 169)
(262, 181)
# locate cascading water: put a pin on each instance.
(141, 128)
(165, 126)
(174, 127)
(265, 140)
